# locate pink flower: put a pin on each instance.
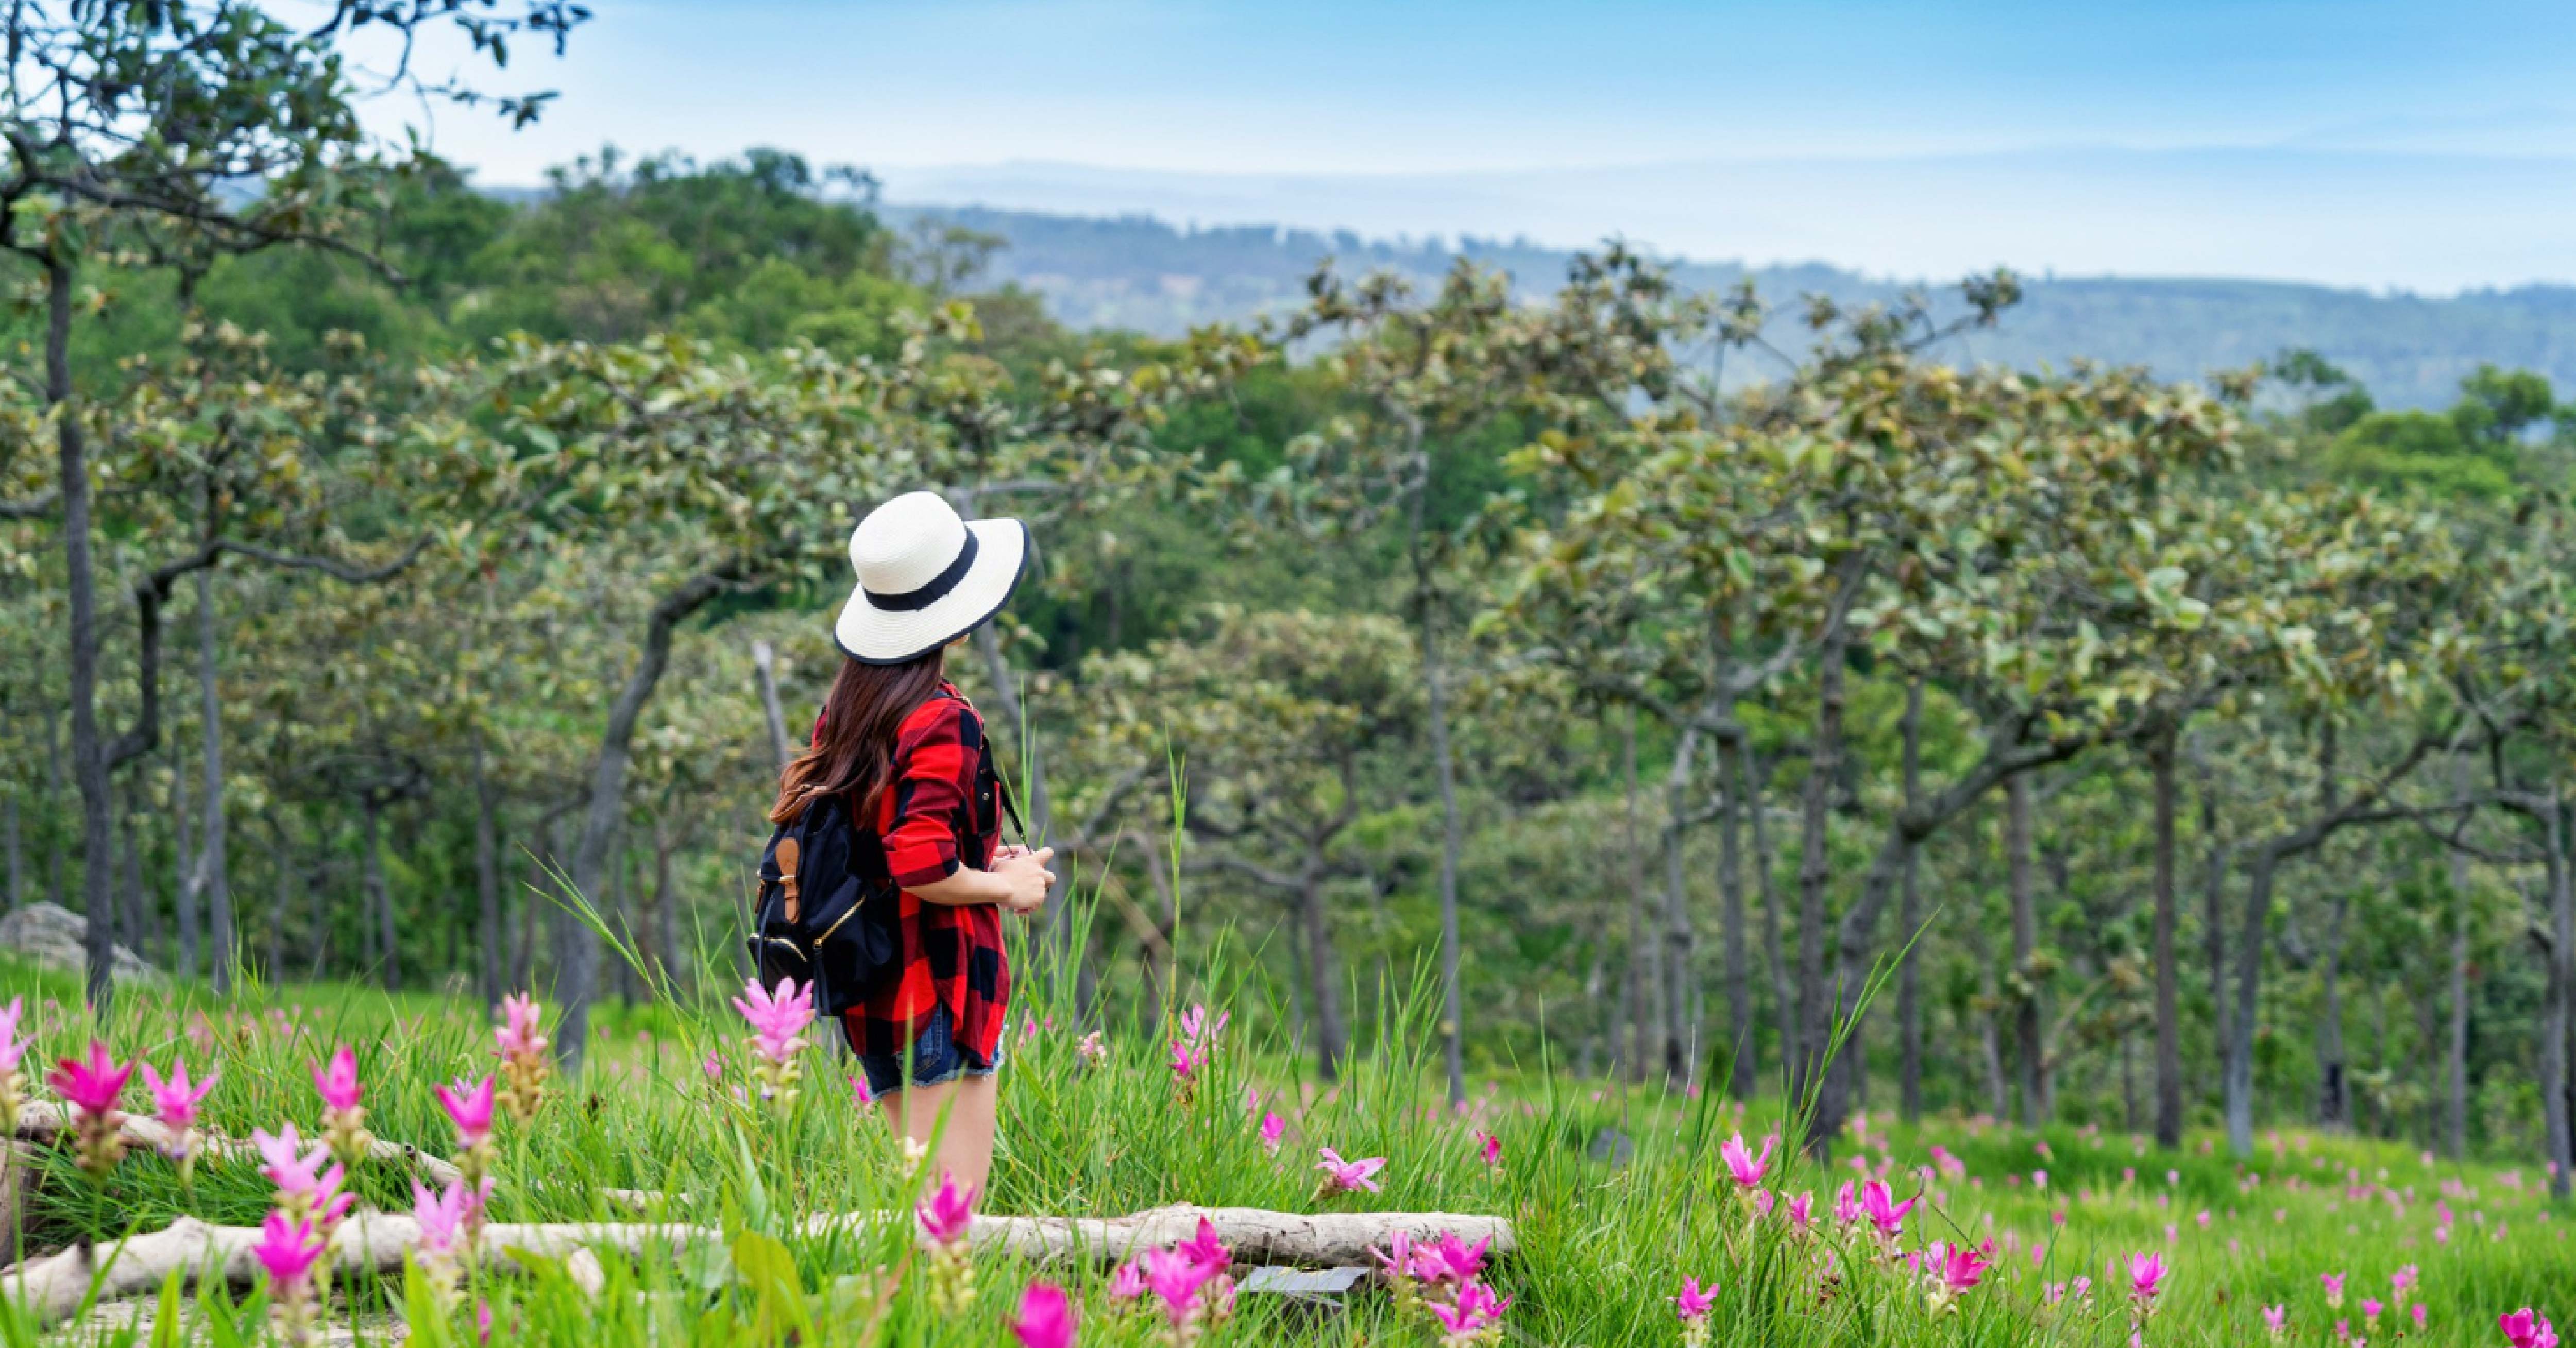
(92, 1087)
(1398, 1255)
(176, 1100)
(946, 1215)
(2276, 1320)
(1476, 1310)
(2146, 1278)
(470, 1109)
(13, 1050)
(441, 1215)
(1197, 1028)
(1695, 1302)
(1046, 1318)
(859, 1093)
(1450, 1260)
(1489, 1149)
(2418, 1310)
(288, 1250)
(2039, 1179)
(1956, 1267)
(518, 1035)
(294, 1171)
(778, 1017)
(1207, 1249)
(1128, 1282)
(1175, 1279)
(1882, 1209)
(1802, 1210)
(1187, 1059)
(1747, 1168)
(2370, 1312)
(1763, 1200)
(2334, 1287)
(2402, 1279)
(1273, 1128)
(1091, 1050)
(338, 1083)
(2527, 1328)
(1847, 1209)
(1342, 1176)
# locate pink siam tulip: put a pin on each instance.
(2528, 1328)
(470, 1109)
(2404, 1278)
(343, 1118)
(1045, 1319)
(2334, 1289)
(2146, 1280)
(289, 1249)
(1883, 1211)
(1450, 1261)
(1763, 1201)
(13, 1053)
(1273, 1128)
(93, 1089)
(1747, 1168)
(1489, 1149)
(1175, 1279)
(1474, 1320)
(443, 1218)
(1953, 1270)
(1206, 1248)
(1128, 1282)
(1197, 1028)
(520, 1042)
(860, 1095)
(2419, 1313)
(1092, 1050)
(1188, 1059)
(175, 1103)
(778, 1019)
(1693, 1306)
(2276, 1320)
(1802, 1211)
(1342, 1176)
(2370, 1315)
(945, 1218)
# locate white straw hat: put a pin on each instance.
(926, 578)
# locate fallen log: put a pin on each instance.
(53, 1286)
(43, 1121)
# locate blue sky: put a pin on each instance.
(1393, 89)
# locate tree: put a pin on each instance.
(130, 128)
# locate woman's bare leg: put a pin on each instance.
(965, 1145)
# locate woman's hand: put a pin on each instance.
(1024, 876)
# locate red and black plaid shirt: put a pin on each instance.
(951, 954)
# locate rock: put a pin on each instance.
(1613, 1146)
(1321, 1287)
(52, 936)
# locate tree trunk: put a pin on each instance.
(17, 853)
(764, 663)
(2128, 1086)
(53, 802)
(487, 880)
(1909, 921)
(212, 877)
(2554, 1025)
(1680, 1051)
(281, 898)
(1739, 981)
(2030, 1055)
(2455, 1121)
(1330, 1037)
(580, 961)
(1783, 999)
(2334, 1107)
(380, 899)
(2160, 761)
(1824, 768)
(1645, 970)
(1453, 1027)
(89, 754)
(666, 904)
(183, 863)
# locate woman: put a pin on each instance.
(903, 748)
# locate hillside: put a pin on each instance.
(1143, 273)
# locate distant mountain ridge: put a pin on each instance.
(1143, 273)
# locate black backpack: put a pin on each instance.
(829, 910)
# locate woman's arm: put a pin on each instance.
(1018, 881)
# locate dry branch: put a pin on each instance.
(43, 1120)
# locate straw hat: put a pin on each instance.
(926, 578)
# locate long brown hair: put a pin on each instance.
(853, 749)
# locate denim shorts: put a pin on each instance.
(937, 1059)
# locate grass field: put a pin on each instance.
(1617, 1195)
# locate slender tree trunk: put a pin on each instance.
(2561, 982)
(1645, 970)
(281, 897)
(1681, 977)
(1990, 1022)
(2160, 762)
(2128, 1085)
(1330, 1037)
(2216, 859)
(1783, 999)
(1453, 1027)
(2030, 1060)
(1747, 1049)
(580, 960)
(380, 897)
(89, 753)
(1909, 921)
(2455, 1121)
(138, 898)
(183, 866)
(764, 663)
(213, 878)
(1815, 871)
(666, 903)
(489, 939)
(9, 824)
(54, 865)
(2334, 1107)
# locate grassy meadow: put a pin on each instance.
(1618, 1193)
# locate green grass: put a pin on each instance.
(1603, 1246)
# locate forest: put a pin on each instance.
(2181, 760)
